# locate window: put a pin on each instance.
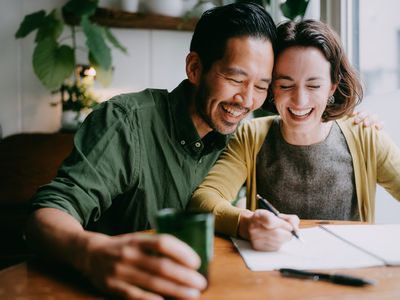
(374, 28)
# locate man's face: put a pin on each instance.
(236, 84)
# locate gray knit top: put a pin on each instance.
(313, 182)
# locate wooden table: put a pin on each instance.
(229, 279)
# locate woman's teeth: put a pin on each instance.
(300, 113)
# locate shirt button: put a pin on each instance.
(183, 142)
(197, 144)
(200, 160)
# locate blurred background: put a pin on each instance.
(155, 57)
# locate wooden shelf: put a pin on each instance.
(123, 19)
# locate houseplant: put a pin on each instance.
(54, 57)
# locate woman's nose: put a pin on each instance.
(300, 97)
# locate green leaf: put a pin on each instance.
(53, 63)
(96, 43)
(30, 23)
(51, 27)
(113, 40)
(81, 7)
(294, 8)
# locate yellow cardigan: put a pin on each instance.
(376, 159)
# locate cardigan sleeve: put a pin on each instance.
(223, 182)
(388, 164)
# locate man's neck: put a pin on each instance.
(201, 126)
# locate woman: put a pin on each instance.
(309, 161)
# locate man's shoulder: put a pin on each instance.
(146, 99)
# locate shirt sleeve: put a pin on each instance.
(104, 163)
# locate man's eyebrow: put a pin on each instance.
(284, 77)
(234, 71)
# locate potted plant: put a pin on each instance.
(291, 9)
(54, 58)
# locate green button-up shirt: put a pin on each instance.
(135, 154)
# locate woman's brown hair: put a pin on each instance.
(312, 33)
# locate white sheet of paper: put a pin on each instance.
(321, 250)
(382, 240)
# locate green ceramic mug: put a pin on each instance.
(195, 229)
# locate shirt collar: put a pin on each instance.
(186, 132)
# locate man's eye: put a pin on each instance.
(314, 86)
(235, 80)
(261, 88)
(285, 87)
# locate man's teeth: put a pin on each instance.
(232, 110)
(300, 113)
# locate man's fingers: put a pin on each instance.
(128, 291)
(138, 278)
(367, 120)
(169, 246)
(169, 269)
(360, 117)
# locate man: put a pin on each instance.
(142, 152)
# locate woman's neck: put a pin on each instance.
(306, 137)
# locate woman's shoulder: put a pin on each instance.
(257, 125)
(255, 130)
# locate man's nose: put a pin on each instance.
(245, 97)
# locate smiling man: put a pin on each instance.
(141, 152)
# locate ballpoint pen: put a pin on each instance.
(264, 204)
(334, 278)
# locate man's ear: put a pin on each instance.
(193, 67)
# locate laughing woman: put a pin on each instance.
(310, 161)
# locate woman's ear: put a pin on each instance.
(193, 67)
(333, 89)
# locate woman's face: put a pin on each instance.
(301, 88)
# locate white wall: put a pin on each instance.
(155, 59)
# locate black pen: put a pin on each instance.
(264, 204)
(334, 278)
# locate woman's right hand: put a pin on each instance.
(265, 231)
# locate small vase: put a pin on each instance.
(130, 5)
(71, 120)
(172, 8)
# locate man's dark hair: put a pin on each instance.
(221, 23)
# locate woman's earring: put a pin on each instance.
(271, 100)
(331, 99)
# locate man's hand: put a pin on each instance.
(143, 266)
(131, 266)
(367, 120)
(265, 231)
